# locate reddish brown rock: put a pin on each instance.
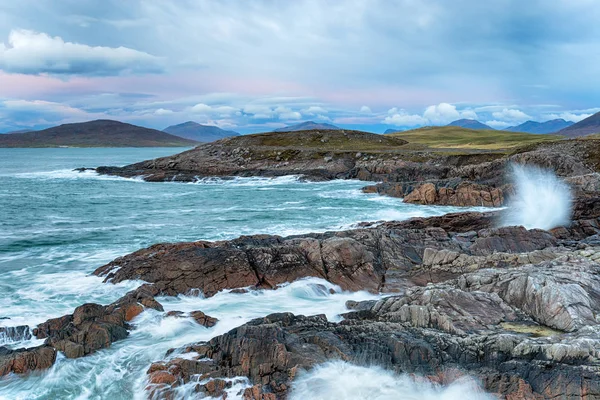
(203, 319)
(466, 194)
(23, 361)
(256, 393)
(92, 326)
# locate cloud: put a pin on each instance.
(162, 111)
(366, 110)
(570, 116)
(41, 106)
(445, 113)
(220, 110)
(33, 53)
(440, 114)
(511, 115)
(498, 124)
(402, 118)
(314, 110)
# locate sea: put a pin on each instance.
(58, 225)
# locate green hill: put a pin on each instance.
(454, 137)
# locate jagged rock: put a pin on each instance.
(562, 293)
(203, 319)
(271, 351)
(22, 361)
(92, 326)
(14, 333)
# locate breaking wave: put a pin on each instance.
(541, 199)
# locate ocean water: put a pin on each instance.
(57, 226)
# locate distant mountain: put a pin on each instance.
(551, 126)
(470, 124)
(99, 133)
(200, 133)
(388, 131)
(19, 131)
(306, 126)
(584, 127)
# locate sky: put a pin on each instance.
(257, 65)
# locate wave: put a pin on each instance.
(341, 380)
(542, 200)
(72, 174)
(247, 181)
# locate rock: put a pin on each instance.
(92, 326)
(562, 293)
(511, 240)
(23, 361)
(375, 258)
(271, 350)
(465, 194)
(14, 333)
(175, 314)
(203, 319)
(423, 194)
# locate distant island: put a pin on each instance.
(99, 133)
(200, 133)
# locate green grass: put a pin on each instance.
(321, 140)
(453, 137)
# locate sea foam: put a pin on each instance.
(341, 380)
(541, 199)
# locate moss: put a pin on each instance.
(530, 329)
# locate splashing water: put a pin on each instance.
(542, 200)
(341, 380)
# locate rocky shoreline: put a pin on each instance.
(517, 309)
(420, 176)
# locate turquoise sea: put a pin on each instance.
(58, 225)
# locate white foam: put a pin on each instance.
(71, 174)
(248, 181)
(542, 200)
(341, 380)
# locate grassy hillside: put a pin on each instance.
(453, 137)
(321, 140)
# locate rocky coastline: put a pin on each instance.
(517, 309)
(420, 176)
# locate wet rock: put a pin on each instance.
(14, 333)
(93, 326)
(203, 319)
(271, 351)
(23, 361)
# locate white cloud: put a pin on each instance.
(294, 115)
(286, 113)
(201, 108)
(314, 110)
(498, 124)
(569, 116)
(445, 113)
(511, 115)
(440, 114)
(163, 111)
(366, 110)
(41, 106)
(33, 53)
(402, 118)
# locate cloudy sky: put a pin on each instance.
(260, 64)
